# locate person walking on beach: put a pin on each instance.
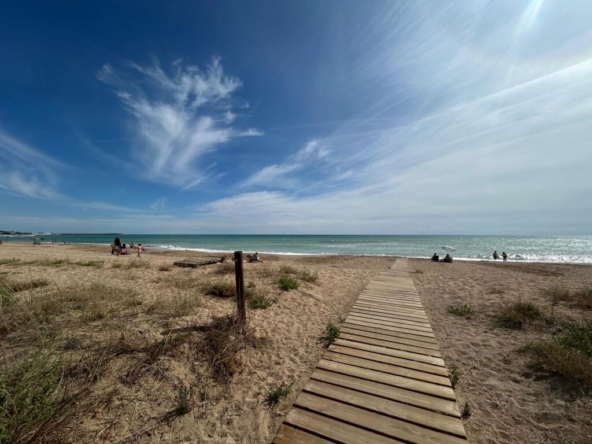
(495, 255)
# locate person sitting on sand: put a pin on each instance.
(504, 256)
(448, 258)
(435, 258)
(116, 246)
(495, 255)
(254, 258)
(132, 245)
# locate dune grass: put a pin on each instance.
(287, 283)
(273, 397)
(517, 315)
(580, 298)
(95, 264)
(460, 310)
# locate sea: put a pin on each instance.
(552, 249)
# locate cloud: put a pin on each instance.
(158, 203)
(279, 176)
(178, 118)
(27, 171)
(515, 161)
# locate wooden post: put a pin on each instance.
(240, 290)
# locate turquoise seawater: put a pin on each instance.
(560, 249)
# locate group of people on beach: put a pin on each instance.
(447, 258)
(117, 247)
(496, 256)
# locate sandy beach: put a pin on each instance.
(134, 399)
(129, 334)
(512, 401)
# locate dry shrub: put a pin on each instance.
(308, 276)
(220, 289)
(556, 293)
(164, 267)
(516, 315)
(176, 305)
(47, 313)
(52, 262)
(570, 363)
(35, 401)
(581, 298)
(224, 268)
(96, 264)
(182, 283)
(12, 261)
(222, 343)
(16, 286)
(287, 269)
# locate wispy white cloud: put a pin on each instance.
(496, 142)
(158, 203)
(27, 171)
(284, 175)
(178, 118)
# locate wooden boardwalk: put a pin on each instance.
(383, 380)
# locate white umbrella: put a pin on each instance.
(448, 248)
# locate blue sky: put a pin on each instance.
(336, 117)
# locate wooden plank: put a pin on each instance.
(388, 392)
(333, 429)
(393, 323)
(390, 352)
(392, 380)
(392, 342)
(195, 262)
(289, 435)
(421, 334)
(391, 333)
(362, 362)
(393, 409)
(392, 428)
(393, 289)
(408, 313)
(388, 315)
(393, 295)
(391, 301)
(392, 360)
(401, 329)
(390, 289)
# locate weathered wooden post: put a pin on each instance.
(240, 290)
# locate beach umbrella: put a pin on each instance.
(448, 248)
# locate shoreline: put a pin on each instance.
(293, 254)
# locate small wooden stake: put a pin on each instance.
(240, 290)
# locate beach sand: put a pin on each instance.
(511, 401)
(134, 388)
(135, 397)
